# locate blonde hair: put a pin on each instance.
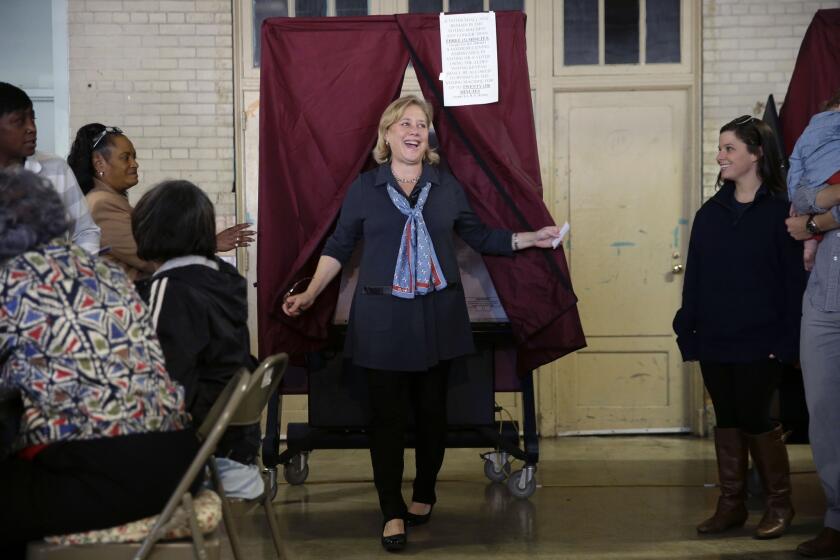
(393, 113)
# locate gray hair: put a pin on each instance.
(31, 213)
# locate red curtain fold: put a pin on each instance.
(815, 77)
(324, 84)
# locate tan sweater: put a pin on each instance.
(112, 213)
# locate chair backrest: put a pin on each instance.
(264, 382)
(221, 413)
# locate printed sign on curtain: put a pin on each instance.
(470, 65)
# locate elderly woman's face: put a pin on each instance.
(119, 169)
(408, 138)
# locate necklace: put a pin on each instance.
(405, 180)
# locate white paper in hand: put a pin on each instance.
(558, 240)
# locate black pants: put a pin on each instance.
(742, 393)
(92, 484)
(390, 395)
(240, 443)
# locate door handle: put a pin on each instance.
(677, 269)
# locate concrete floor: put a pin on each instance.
(598, 498)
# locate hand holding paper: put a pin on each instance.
(558, 240)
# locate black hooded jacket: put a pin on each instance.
(742, 297)
(201, 319)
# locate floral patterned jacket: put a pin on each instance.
(78, 344)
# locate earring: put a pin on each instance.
(100, 173)
(386, 143)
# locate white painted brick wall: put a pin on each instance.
(162, 71)
(749, 51)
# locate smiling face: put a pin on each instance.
(735, 160)
(408, 137)
(118, 164)
(17, 136)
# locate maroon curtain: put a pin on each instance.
(815, 77)
(324, 84)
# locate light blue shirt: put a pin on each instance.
(816, 156)
(823, 288)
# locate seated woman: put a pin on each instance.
(102, 438)
(105, 164)
(199, 308)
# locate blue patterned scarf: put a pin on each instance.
(418, 270)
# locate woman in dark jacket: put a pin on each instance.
(740, 317)
(409, 316)
(199, 309)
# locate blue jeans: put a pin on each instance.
(820, 357)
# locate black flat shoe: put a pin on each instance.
(394, 543)
(413, 520)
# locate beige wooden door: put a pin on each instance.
(624, 158)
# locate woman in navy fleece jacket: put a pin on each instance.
(740, 316)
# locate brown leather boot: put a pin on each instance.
(731, 450)
(771, 460)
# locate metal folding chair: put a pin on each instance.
(264, 382)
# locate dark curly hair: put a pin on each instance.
(31, 213)
(80, 158)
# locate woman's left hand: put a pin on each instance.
(233, 237)
(544, 237)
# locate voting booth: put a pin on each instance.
(324, 84)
